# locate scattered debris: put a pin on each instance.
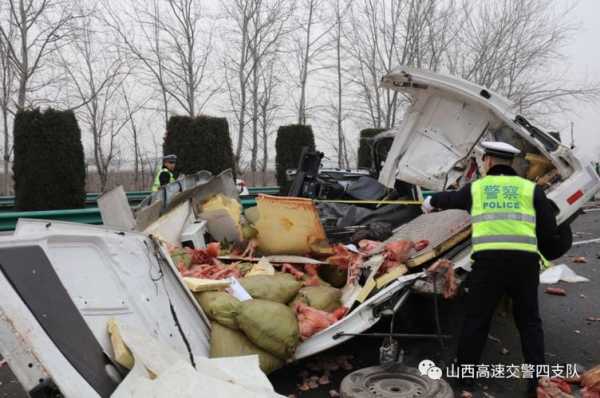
(580, 260)
(556, 291)
(304, 387)
(554, 388)
(446, 268)
(504, 351)
(334, 394)
(590, 380)
(582, 295)
(577, 331)
(560, 272)
(324, 380)
(494, 339)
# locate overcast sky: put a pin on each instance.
(584, 57)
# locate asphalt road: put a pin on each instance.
(570, 339)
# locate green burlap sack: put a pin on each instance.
(221, 307)
(183, 256)
(280, 287)
(244, 267)
(271, 326)
(225, 342)
(333, 275)
(324, 298)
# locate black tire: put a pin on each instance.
(397, 382)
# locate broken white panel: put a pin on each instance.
(169, 227)
(115, 210)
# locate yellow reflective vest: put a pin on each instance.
(503, 214)
(156, 184)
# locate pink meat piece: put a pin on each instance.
(289, 268)
(367, 246)
(206, 255)
(396, 253)
(210, 271)
(342, 257)
(447, 269)
(312, 272)
(399, 250)
(421, 244)
(347, 260)
(311, 320)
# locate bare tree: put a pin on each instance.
(259, 27)
(96, 72)
(150, 51)
(513, 47)
(7, 91)
(189, 50)
(174, 49)
(41, 27)
(386, 34)
(269, 106)
(337, 35)
(307, 47)
(132, 109)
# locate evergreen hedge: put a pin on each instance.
(49, 166)
(364, 147)
(288, 146)
(200, 143)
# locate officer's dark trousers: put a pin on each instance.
(486, 284)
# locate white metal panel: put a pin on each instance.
(440, 131)
(419, 82)
(31, 354)
(115, 209)
(111, 274)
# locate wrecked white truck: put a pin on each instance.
(62, 283)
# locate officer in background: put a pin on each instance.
(165, 175)
(512, 223)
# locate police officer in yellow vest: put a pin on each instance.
(512, 222)
(165, 175)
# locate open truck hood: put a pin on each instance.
(59, 285)
(447, 117)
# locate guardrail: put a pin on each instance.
(135, 197)
(91, 215)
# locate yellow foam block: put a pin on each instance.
(203, 285)
(223, 216)
(391, 275)
(122, 354)
(367, 288)
(263, 267)
(288, 225)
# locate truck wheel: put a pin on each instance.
(396, 382)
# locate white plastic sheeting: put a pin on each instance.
(160, 372)
(561, 272)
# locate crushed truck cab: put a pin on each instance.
(61, 283)
(436, 145)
